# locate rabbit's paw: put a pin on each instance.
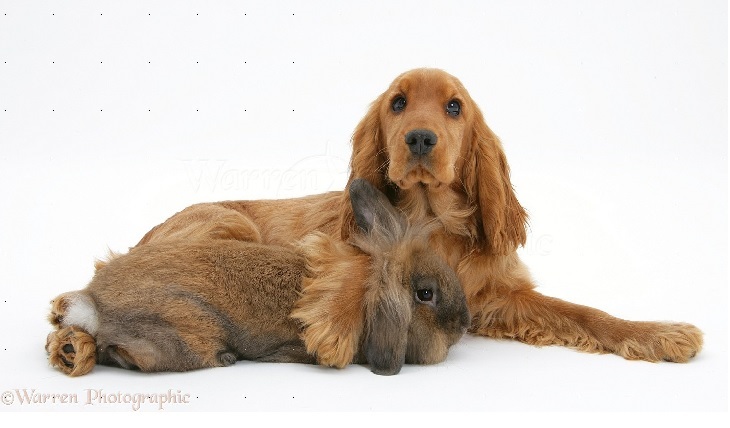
(71, 350)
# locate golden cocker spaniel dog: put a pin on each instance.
(425, 144)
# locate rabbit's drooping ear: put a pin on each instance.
(387, 303)
(386, 341)
(371, 207)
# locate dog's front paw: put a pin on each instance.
(71, 350)
(673, 342)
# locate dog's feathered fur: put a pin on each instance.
(463, 184)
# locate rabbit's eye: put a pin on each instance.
(424, 294)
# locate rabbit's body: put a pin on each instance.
(177, 306)
(181, 306)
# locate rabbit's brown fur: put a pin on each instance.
(179, 305)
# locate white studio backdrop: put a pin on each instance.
(613, 114)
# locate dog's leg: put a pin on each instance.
(533, 318)
(501, 297)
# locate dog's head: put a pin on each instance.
(426, 134)
(424, 125)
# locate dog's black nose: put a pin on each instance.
(420, 141)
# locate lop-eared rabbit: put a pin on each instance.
(178, 306)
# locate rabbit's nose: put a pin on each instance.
(459, 323)
(465, 320)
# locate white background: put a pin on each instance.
(115, 115)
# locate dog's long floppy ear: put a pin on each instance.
(387, 302)
(487, 181)
(369, 161)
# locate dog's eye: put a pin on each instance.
(399, 104)
(424, 294)
(453, 108)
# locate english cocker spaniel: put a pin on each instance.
(425, 144)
